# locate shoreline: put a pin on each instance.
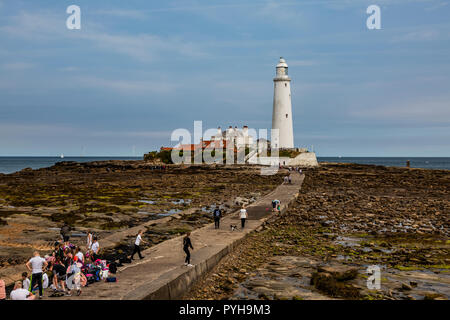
(377, 161)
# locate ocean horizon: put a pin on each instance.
(11, 164)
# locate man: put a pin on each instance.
(95, 249)
(217, 215)
(65, 232)
(21, 294)
(36, 266)
(137, 248)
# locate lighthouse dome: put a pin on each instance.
(282, 63)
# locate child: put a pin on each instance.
(25, 281)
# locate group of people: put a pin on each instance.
(217, 215)
(66, 259)
(56, 270)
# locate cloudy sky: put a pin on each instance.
(139, 69)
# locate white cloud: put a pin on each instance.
(18, 66)
(427, 110)
(48, 27)
(133, 14)
(418, 35)
(126, 86)
(302, 63)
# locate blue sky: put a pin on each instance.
(139, 69)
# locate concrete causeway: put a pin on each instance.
(162, 274)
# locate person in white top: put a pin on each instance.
(21, 294)
(80, 255)
(95, 249)
(36, 265)
(243, 216)
(137, 246)
(25, 281)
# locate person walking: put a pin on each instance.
(243, 216)
(186, 245)
(137, 245)
(217, 215)
(36, 266)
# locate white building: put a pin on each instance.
(282, 108)
(241, 138)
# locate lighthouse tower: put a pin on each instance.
(282, 108)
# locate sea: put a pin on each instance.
(14, 164)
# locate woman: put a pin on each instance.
(89, 240)
(186, 245)
(74, 281)
(59, 275)
(2, 290)
(243, 216)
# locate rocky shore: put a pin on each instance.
(347, 217)
(111, 197)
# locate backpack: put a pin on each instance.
(125, 260)
(90, 278)
(217, 213)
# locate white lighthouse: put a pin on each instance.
(282, 108)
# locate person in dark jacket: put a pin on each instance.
(65, 230)
(217, 215)
(186, 245)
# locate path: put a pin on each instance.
(162, 275)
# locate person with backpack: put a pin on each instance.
(217, 215)
(186, 245)
(36, 266)
(137, 245)
(243, 216)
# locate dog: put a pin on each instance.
(233, 227)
